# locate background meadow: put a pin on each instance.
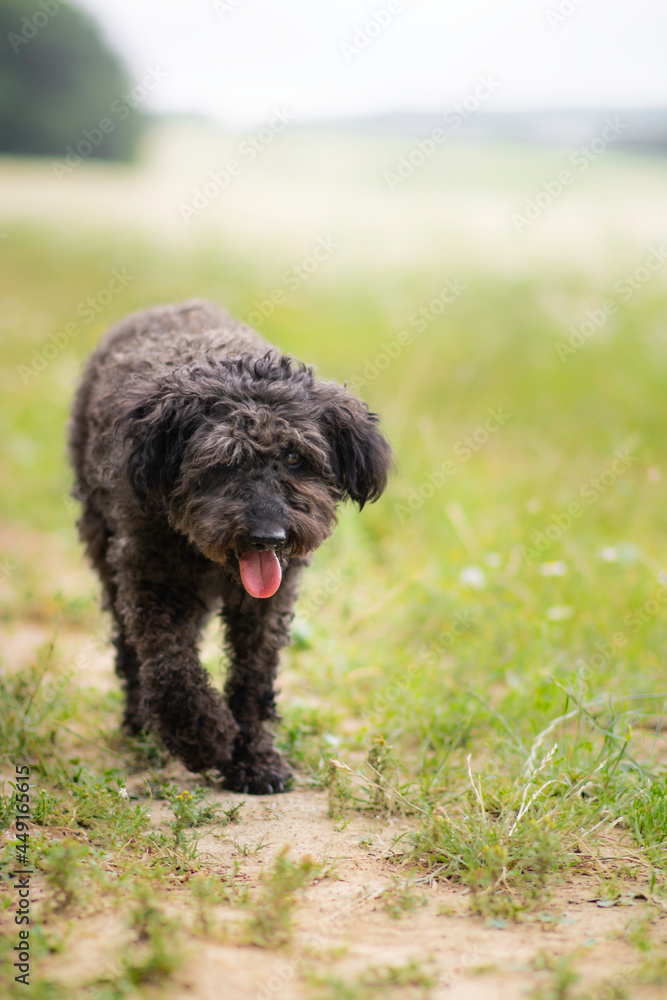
(484, 645)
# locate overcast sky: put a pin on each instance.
(236, 60)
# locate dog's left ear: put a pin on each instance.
(361, 458)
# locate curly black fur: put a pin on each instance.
(191, 437)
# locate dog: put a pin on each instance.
(209, 467)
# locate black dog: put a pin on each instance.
(209, 467)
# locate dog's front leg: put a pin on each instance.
(256, 630)
(163, 621)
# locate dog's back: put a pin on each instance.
(175, 335)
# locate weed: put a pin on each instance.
(499, 849)
(247, 850)
(413, 973)
(653, 971)
(648, 819)
(7, 809)
(97, 804)
(637, 932)
(609, 888)
(305, 737)
(334, 988)
(150, 960)
(27, 730)
(413, 979)
(233, 813)
(191, 810)
(157, 953)
(62, 865)
(563, 978)
(48, 809)
(43, 943)
(339, 789)
(402, 897)
(382, 763)
(212, 890)
(41, 988)
(506, 841)
(355, 789)
(270, 923)
(144, 751)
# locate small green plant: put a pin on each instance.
(61, 861)
(157, 953)
(270, 923)
(504, 874)
(349, 789)
(27, 728)
(648, 820)
(402, 897)
(7, 809)
(653, 970)
(47, 810)
(211, 890)
(191, 810)
(335, 988)
(609, 888)
(233, 813)
(247, 850)
(41, 988)
(413, 980)
(413, 974)
(149, 960)
(44, 941)
(144, 752)
(339, 789)
(638, 931)
(97, 804)
(305, 737)
(382, 763)
(494, 844)
(562, 980)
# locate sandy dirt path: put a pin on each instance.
(343, 926)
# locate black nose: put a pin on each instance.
(263, 540)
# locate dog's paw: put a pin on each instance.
(259, 774)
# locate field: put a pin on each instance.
(475, 694)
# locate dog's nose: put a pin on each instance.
(263, 540)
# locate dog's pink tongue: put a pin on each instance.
(261, 573)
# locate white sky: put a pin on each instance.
(237, 65)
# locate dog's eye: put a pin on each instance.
(293, 459)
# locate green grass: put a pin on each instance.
(270, 922)
(490, 660)
(649, 820)
(411, 980)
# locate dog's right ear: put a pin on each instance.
(157, 422)
(361, 458)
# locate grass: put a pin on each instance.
(412, 980)
(649, 820)
(270, 923)
(484, 645)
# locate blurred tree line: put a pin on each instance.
(59, 81)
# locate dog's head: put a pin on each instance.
(248, 458)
